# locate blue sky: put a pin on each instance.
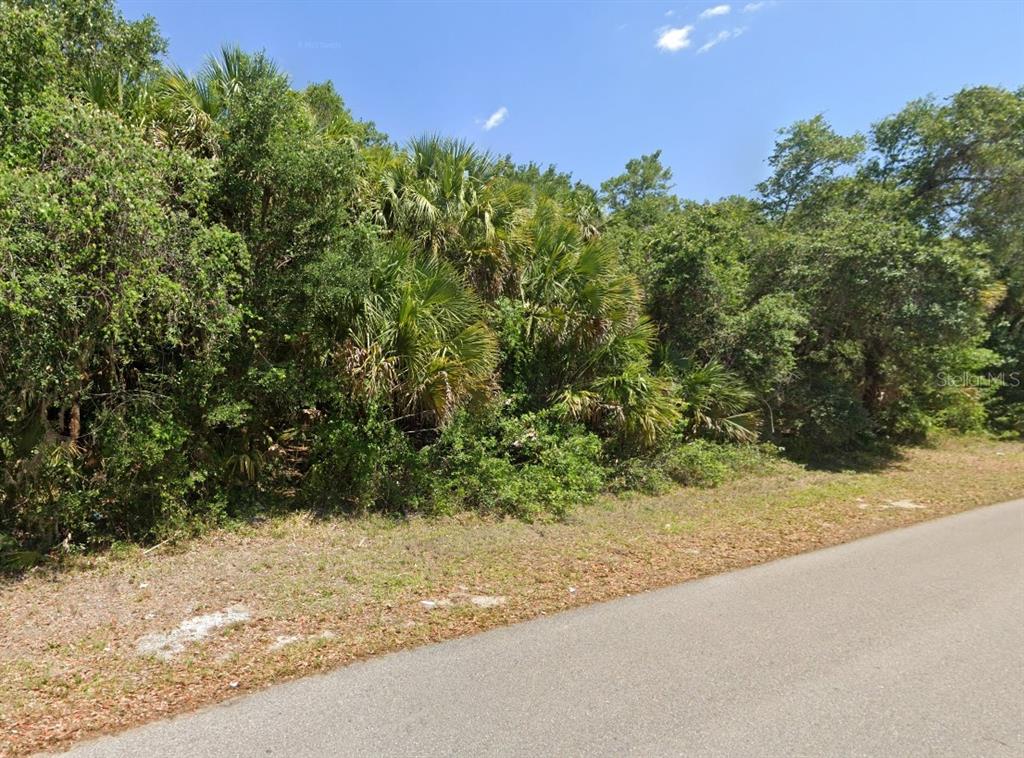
(588, 86)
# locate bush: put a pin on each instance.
(700, 463)
(824, 417)
(707, 464)
(527, 466)
(645, 475)
(361, 464)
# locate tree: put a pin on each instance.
(961, 165)
(421, 344)
(805, 160)
(117, 303)
(188, 111)
(219, 292)
(644, 178)
(696, 275)
(447, 197)
(641, 195)
(72, 46)
(580, 200)
(885, 304)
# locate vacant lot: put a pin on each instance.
(118, 640)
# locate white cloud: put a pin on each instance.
(722, 36)
(496, 118)
(715, 10)
(669, 14)
(753, 7)
(675, 39)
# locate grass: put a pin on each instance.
(347, 589)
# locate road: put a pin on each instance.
(910, 643)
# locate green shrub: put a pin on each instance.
(117, 302)
(707, 464)
(700, 463)
(360, 464)
(697, 463)
(527, 466)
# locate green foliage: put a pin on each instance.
(804, 162)
(192, 112)
(634, 408)
(377, 463)
(885, 303)
(717, 404)
(72, 47)
(697, 463)
(708, 464)
(220, 294)
(29, 58)
(696, 275)
(961, 167)
(527, 465)
(765, 337)
(640, 196)
(420, 346)
(823, 413)
(116, 301)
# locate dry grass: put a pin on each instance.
(68, 661)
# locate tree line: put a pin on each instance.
(222, 295)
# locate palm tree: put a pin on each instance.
(449, 198)
(188, 108)
(431, 191)
(582, 308)
(636, 406)
(421, 344)
(584, 319)
(119, 93)
(577, 291)
(717, 404)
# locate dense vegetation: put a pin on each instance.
(221, 295)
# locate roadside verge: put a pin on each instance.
(124, 639)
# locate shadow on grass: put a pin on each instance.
(870, 459)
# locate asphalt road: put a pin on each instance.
(910, 643)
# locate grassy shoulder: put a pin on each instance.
(316, 594)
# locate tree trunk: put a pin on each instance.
(873, 379)
(75, 424)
